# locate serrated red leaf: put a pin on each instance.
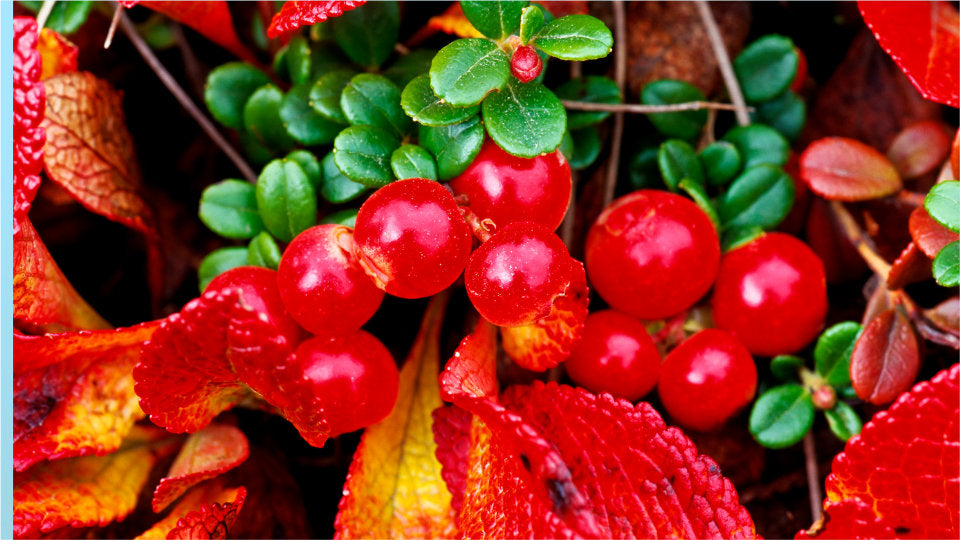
(912, 266)
(207, 453)
(924, 39)
(451, 431)
(849, 518)
(885, 358)
(472, 371)
(297, 13)
(211, 18)
(206, 493)
(58, 55)
(841, 169)
(28, 108)
(211, 521)
(929, 235)
(920, 148)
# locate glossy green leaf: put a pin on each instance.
(758, 144)
(946, 265)
(786, 113)
(325, 57)
(762, 196)
(721, 162)
(586, 148)
(362, 153)
(298, 60)
(261, 116)
(421, 104)
(346, 217)
(302, 121)
(465, 71)
(325, 95)
(698, 193)
(453, 146)
(218, 262)
(495, 19)
(738, 236)
(336, 187)
(367, 34)
(644, 170)
(228, 88)
(566, 146)
(681, 124)
(526, 120)
(372, 100)
(766, 67)
(412, 161)
(286, 199)
(254, 149)
(782, 416)
(678, 160)
(531, 21)
(263, 251)
(591, 89)
(942, 203)
(279, 63)
(786, 367)
(308, 162)
(409, 66)
(575, 37)
(843, 421)
(65, 17)
(229, 208)
(832, 353)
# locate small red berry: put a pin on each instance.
(652, 254)
(615, 354)
(513, 278)
(259, 292)
(771, 294)
(505, 188)
(707, 379)
(323, 286)
(526, 63)
(412, 239)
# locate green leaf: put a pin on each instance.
(254, 149)
(465, 71)
(495, 19)
(228, 88)
(843, 420)
(644, 170)
(367, 34)
(678, 160)
(782, 416)
(942, 203)
(761, 196)
(786, 367)
(373, 100)
(946, 265)
(698, 193)
(362, 153)
(832, 353)
(279, 63)
(526, 120)
(325, 95)
(454, 146)
(346, 217)
(758, 144)
(229, 208)
(308, 162)
(412, 161)
(263, 251)
(286, 199)
(591, 89)
(681, 124)
(218, 262)
(421, 104)
(302, 121)
(786, 113)
(324, 58)
(298, 60)
(586, 148)
(409, 66)
(531, 21)
(261, 116)
(721, 162)
(336, 187)
(65, 17)
(739, 236)
(575, 37)
(766, 67)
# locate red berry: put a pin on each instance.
(356, 376)
(259, 292)
(322, 284)
(513, 277)
(707, 379)
(505, 188)
(771, 294)
(615, 354)
(526, 64)
(411, 238)
(652, 254)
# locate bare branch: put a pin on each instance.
(648, 109)
(723, 60)
(113, 26)
(620, 75)
(813, 475)
(860, 241)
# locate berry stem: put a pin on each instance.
(723, 60)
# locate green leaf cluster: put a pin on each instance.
(943, 205)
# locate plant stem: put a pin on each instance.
(647, 109)
(723, 61)
(44, 13)
(813, 475)
(181, 95)
(860, 241)
(620, 75)
(113, 26)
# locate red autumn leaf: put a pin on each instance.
(955, 156)
(207, 453)
(28, 107)
(841, 169)
(57, 53)
(912, 266)
(924, 39)
(212, 520)
(920, 148)
(211, 18)
(73, 393)
(946, 314)
(451, 431)
(297, 13)
(885, 358)
(929, 235)
(903, 470)
(207, 493)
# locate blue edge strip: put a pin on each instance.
(6, 271)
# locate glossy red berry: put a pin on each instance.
(323, 286)
(771, 294)
(259, 292)
(356, 376)
(526, 64)
(707, 379)
(513, 278)
(652, 254)
(412, 239)
(505, 188)
(615, 354)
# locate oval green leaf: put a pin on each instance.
(261, 116)
(362, 153)
(698, 193)
(575, 37)
(946, 265)
(586, 148)
(336, 187)
(298, 59)
(218, 262)
(308, 162)
(409, 66)
(591, 89)
(786, 113)
(721, 162)
(412, 161)
(758, 144)
(465, 71)
(761, 196)
(786, 367)
(832, 354)
(531, 21)
(738, 236)
(421, 104)
(942, 203)
(453, 146)
(373, 100)
(782, 416)
(325, 95)
(229, 208)
(286, 199)
(843, 420)
(526, 120)
(678, 160)
(228, 88)
(495, 19)
(301, 120)
(644, 170)
(766, 67)
(263, 251)
(367, 34)
(681, 124)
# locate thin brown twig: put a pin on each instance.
(637, 108)
(813, 475)
(860, 241)
(620, 75)
(113, 26)
(723, 61)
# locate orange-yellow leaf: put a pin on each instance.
(454, 22)
(57, 54)
(394, 488)
(205, 495)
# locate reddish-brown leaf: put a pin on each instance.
(211, 18)
(207, 453)
(207, 493)
(57, 53)
(919, 149)
(924, 39)
(837, 168)
(28, 107)
(946, 315)
(297, 13)
(885, 359)
(912, 266)
(213, 520)
(929, 235)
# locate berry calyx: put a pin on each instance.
(259, 292)
(707, 379)
(652, 254)
(323, 286)
(411, 238)
(771, 294)
(525, 64)
(616, 355)
(505, 188)
(514, 277)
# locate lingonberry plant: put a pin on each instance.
(590, 213)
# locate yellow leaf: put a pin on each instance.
(453, 21)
